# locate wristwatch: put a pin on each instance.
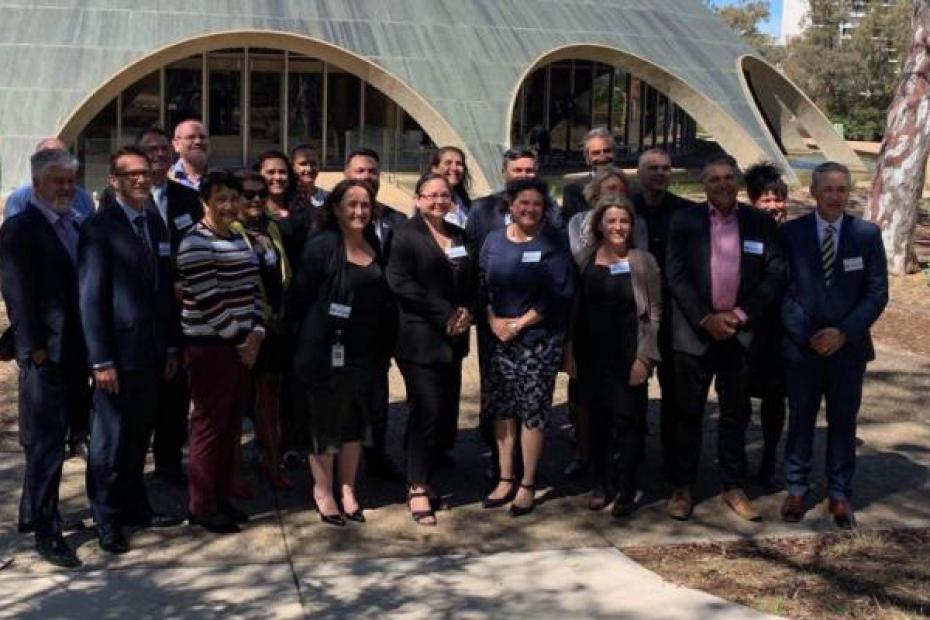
(513, 326)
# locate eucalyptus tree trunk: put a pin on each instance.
(902, 161)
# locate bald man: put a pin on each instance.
(192, 144)
(82, 202)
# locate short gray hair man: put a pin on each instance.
(44, 160)
(829, 166)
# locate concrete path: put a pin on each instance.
(581, 583)
(475, 558)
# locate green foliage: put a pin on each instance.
(744, 18)
(851, 76)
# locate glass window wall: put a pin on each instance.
(225, 107)
(140, 106)
(266, 84)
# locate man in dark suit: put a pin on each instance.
(38, 271)
(132, 332)
(725, 269)
(656, 205)
(598, 151)
(837, 288)
(180, 208)
(365, 165)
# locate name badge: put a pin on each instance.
(341, 311)
(852, 264)
(338, 356)
(620, 267)
(456, 251)
(508, 219)
(183, 221)
(533, 256)
(164, 248)
(753, 247)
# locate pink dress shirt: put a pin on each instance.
(724, 261)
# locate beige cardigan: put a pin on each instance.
(647, 292)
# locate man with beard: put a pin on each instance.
(38, 271)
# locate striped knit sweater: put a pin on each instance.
(221, 298)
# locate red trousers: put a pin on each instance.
(220, 391)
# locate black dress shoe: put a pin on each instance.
(55, 550)
(497, 502)
(155, 519)
(378, 465)
(25, 527)
(217, 523)
(176, 477)
(111, 539)
(335, 519)
(227, 508)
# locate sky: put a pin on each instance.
(773, 27)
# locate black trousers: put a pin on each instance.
(668, 420)
(728, 361)
(772, 414)
(433, 392)
(378, 409)
(50, 396)
(170, 424)
(618, 428)
(120, 430)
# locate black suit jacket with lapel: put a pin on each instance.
(762, 275)
(129, 319)
(184, 210)
(40, 289)
(428, 286)
(390, 219)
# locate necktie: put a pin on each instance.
(147, 253)
(68, 233)
(828, 254)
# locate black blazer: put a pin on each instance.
(428, 286)
(573, 201)
(762, 276)
(184, 210)
(389, 220)
(128, 319)
(40, 289)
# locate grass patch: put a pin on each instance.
(874, 575)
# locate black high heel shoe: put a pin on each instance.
(357, 515)
(331, 519)
(489, 502)
(519, 511)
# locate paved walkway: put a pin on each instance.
(562, 558)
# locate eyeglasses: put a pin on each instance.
(134, 174)
(253, 194)
(443, 197)
(199, 136)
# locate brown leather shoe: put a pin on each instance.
(793, 508)
(843, 514)
(740, 504)
(679, 505)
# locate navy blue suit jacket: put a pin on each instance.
(40, 289)
(128, 320)
(852, 303)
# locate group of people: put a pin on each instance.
(191, 298)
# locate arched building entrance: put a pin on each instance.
(257, 91)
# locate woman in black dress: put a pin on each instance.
(615, 346)
(432, 278)
(338, 305)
